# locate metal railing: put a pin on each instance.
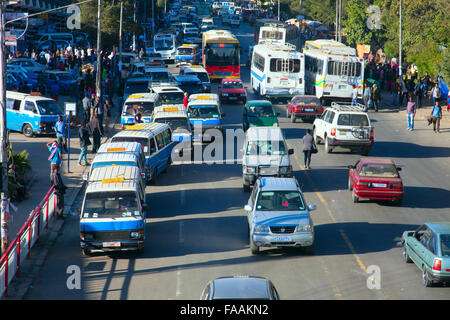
(20, 248)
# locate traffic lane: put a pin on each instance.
(384, 221)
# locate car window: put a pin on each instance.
(378, 170)
(431, 245)
(16, 105)
(445, 245)
(326, 116)
(29, 106)
(152, 146)
(280, 201)
(160, 141)
(353, 120)
(332, 114)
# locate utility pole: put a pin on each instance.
(278, 10)
(120, 35)
(337, 21)
(134, 31)
(400, 41)
(98, 78)
(340, 25)
(3, 135)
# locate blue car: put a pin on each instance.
(190, 84)
(63, 79)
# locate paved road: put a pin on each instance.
(197, 227)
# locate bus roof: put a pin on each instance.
(330, 46)
(216, 36)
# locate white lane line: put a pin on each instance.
(178, 292)
(180, 232)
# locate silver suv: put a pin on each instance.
(278, 215)
(343, 125)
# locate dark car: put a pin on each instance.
(63, 79)
(190, 84)
(304, 107)
(240, 288)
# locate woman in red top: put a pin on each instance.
(185, 100)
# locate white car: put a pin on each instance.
(28, 64)
(278, 216)
(344, 126)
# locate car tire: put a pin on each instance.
(253, 248)
(426, 280)
(354, 197)
(405, 254)
(246, 187)
(350, 184)
(27, 130)
(328, 149)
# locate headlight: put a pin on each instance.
(134, 234)
(225, 94)
(275, 124)
(261, 228)
(249, 169)
(304, 228)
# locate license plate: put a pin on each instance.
(379, 185)
(309, 110)
(232, 98)
(283, 239)
(111, 244)
(284, 82)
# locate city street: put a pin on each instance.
(197, 226)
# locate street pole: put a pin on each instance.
(400, 41)
(3, 135)
(98, 77)
(120, 37)
(340, 17)
(337, 21)
(278, 10)
(134, 31)
(153, 18)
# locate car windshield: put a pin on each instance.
(204, 112)
(232, 85)
(445, 245)
(276, 147)
(49, 107)
(203, 76)
(280, 201)
(360, 120)
(174, 123)
(144, 108)
(171, 97)
(142, 141)
(110, 205)
(159, 76)
(378, 170)
(261, 111)
(163, 44)
(185, 51)
(136, 87)
(308, 101)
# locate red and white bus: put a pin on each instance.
(221, 54)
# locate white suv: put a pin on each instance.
(343, 125)
(278, 215)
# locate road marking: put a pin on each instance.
(180, 232)
(178, 292)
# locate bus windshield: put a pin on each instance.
(222, 54)
(111, 205)
(144, 108)
(164, 44)
(174, 123)
(171, 97)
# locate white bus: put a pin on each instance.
(332, 69)
(280, 33)
(165, 44)
(277, 71)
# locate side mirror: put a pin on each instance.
(291, 151)
(248, 208)
(312, 207)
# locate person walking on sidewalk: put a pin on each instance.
(60, 190)
(410, 113)
(308, 145)
(96, 132)
(107, 110)
(61, 130)
(55, 157)
(436, 93)
(376, 97)
(418, 92)
(436, 115)
(83, 134)
(86, 107)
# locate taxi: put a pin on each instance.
(142, 103)
(187, 53)
(189, 83)
(204, 115)
(200, 72)
(203, 96)
(169, 93)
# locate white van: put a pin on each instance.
(57, 36)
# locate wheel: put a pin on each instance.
(328, 149)
(426, 280)
(309, 249)
(365, 151)
(246, 187)
(27, 130)
(292, 118)
(355, 197)
(154, 177)
(405, 254)
(253, 248)
(316, 138)
(350, 184)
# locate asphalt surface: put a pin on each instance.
(197, 228)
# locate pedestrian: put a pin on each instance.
(418, 92)
(55, 157)
(61, 129)
(107, 113)
(185, 99)
(60, 190)
(83, 134)
(354, 95)
(376, 97)
(86, 107)
(99, 112)
(308, 146)
(367, 96)
(394, 90)
(436, 115)
(436, 93)
(96, 132)
(410, 113)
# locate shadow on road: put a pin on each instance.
(407, 150)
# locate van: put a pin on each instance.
(204, 115)
(203, 96)
(56, 36)
(142, 103)
(264, 154)
(157, 144)
(31, 114)
(112, 216)
(200, 72)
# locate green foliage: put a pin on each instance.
(19, 167)
(355, 26)
(443, 65)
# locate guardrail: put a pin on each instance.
(20, 248)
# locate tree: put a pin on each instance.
(355, 23)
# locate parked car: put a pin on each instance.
(429, 248)
(28, 64)
(232, 90)
(240, 287)
(304, 107)
(377, 179)
(63, 79)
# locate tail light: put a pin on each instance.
(372, 133)
(363, 184)
(437, 263)
(395, 186)
(333, 132)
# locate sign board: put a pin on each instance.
(10, 40)
(71, 107)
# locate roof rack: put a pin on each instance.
(347, 106)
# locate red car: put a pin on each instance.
(304, 107)
(232, 90)
(377, 179)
